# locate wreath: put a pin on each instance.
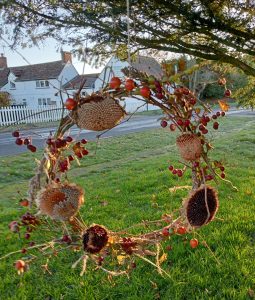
(53, 202)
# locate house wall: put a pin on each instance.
(26, 92)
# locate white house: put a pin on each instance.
(39, 84)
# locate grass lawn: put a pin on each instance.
(130, 173)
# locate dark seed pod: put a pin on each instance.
(95, 239)
(195, 206)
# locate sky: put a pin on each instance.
(46, 53)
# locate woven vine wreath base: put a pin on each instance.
(98, 113)
(189, 146)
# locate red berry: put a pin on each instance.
(26, 141)
(171, 168)
(180, 122)
(31, 244)
(59, 143)
(115, 83)
(174, 172)
(32, 148)
(165, 232)
(24, 250)
(83, 141)
(20, 265)
(214, 117)
(19, 141)
(193, 243)
(163, 123)
(24, 202)
(181, 230)
(201, 127)
(27, 236)
(179, 173)
(129, 85)
(222, 168)
(222, 175)
(70, 104)
(192, 101)
(85, 152)
(49, 141)
(159, 95)
(172, 127)
(185, 91)
(57, 180)
(215, 125)
(195, 164)
(205, 131)
(66, 239)
(223, 113)
(227, 93)
(15, 134)
(186, 123)
(70, 158)
(207, 119)
(78, 154)
(145, 92)
(69, 139)
(208, 177)
(217, 113)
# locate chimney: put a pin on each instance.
(3, 62)
(66, 56)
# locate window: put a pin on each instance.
(24, 102)
(48, 101)
(42, 83)
(12, 85)
(39, 101)
(44, 101)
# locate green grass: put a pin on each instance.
(129, 172)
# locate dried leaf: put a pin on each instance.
(163, 258)
(121, 259)
(223, 105)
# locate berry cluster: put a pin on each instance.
(59, 161)
(27, 141)
(174, 171)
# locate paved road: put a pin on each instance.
(135, 124)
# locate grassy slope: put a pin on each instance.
(127, 171)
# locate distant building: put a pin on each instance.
(38, 84)
(87, 82)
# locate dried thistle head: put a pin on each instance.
(201, 206)
(60, 201)
(95, 239)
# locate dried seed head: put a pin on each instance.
(195, 207)
(60, 201)
(95, 239)
(98, 113)
(189, 146)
